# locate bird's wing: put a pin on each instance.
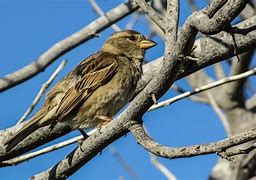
(92, 73)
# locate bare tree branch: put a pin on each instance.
(99, 11)
(178, 152)
(204, 88)
(157, 18)
(161, 167)
(222, 44)
(87, 150)
(246, 168)
(28, 156)
(219, 71)
(218, 111)
(192, 98)
(232, 97)
(172, 23)
(211, 19)
(132, 21)
(124, 164)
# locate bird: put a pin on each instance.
(95, 90)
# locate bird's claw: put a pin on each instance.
(104, 120)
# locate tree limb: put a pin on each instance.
(178, 152)
(204, 88)
(99, 11)
(161, 167)
(155, 16)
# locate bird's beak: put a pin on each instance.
(146, 44)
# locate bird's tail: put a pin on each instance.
(26, 130)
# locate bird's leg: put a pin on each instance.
(83, 133)
(85, 136)
(103, 121)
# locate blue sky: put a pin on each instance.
(28, 28)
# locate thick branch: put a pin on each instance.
(81, 155)
(213, 19)
(172, 22)
(210, 50)
(177, 152)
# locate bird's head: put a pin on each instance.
(129, 43)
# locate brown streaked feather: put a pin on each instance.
(70, 101)
(94, 75)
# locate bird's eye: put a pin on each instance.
(132, 38)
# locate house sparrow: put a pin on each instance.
(95, 90)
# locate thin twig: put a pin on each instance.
(180, 90)
(132, 21)
(158, 164)
(219, 71)
(192, 5)
(100, 12)
(161, 167)
(122, 162)
(155, 16)
(22, 158)
(218, 111)
(204, 88)
(42, 91)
